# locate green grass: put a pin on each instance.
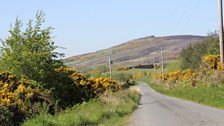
(173, 66)
(211, 96)
(111, 110)
(131, 73)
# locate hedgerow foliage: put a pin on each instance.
(190, 57)
(20, 99)
(209, 73)
(75, 87)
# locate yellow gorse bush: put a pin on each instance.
(188, 74)
(22, 99)
(174, 76)
(211, 61)
(104, 84)
(10, 94)
(96, 85)
(17, 97)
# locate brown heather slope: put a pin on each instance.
(137, 51)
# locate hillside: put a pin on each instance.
(137, 51)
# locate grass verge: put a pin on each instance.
(108, 110)
(211, 96)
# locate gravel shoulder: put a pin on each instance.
(159, 110)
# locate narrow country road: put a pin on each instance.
(159, 110)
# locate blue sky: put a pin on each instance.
(84, 26)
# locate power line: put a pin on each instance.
(170, 24)
(192, 14)
(183, 14)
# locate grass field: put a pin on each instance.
(110, 110)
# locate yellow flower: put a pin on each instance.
(82, 82)
(7, 101)
(19, 102)
(10, 95)
(29, 95)
(106, 84)
(21, 88)
(11, 76)
(5, 85)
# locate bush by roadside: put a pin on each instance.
(109, 109)
(190, 57)
(20, 99)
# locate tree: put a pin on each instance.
(191, 56)
(30, 53)
(213, 41)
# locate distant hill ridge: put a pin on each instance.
(137, 51)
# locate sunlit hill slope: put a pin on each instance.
(137, 51)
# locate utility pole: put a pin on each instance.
(154, 64)
(221, 33)
(110, 68)
(162, 58)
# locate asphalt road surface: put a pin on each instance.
(159, 110)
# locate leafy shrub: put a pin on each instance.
(174, 76)
(20, 99)
(190, 57)
(209, 73)
(211, 61)
(64, 89)
(123, 77)
(101, 85)
(73, 87)
(95, 86)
